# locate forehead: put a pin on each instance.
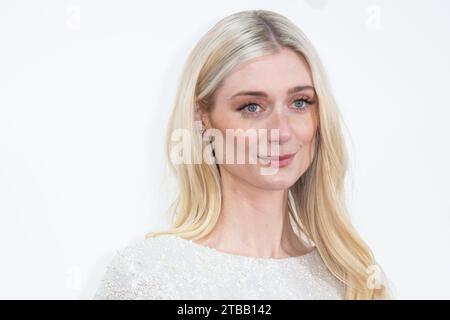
(273, 74)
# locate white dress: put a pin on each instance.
(170, 267)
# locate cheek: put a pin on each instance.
(305, 130)
(305, 134)
(240, 146)
(228, 119)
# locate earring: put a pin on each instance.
(212, 146)
(201, 130)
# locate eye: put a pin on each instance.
(299, 103)
(250, 108)
(302, 104)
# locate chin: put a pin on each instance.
(283, 179)
(276, 182)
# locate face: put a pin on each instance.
(272, 94)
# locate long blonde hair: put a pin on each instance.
(316, 201)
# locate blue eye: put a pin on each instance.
(300, 103)
(303, 103)
(250, 108)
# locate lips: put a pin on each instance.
(279, 158)
(280, 161)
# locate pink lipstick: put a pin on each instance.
(278, 161)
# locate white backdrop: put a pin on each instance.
(85, 93)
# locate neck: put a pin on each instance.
(254, 222)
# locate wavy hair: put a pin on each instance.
(316, 201)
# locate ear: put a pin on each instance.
(206, 121)
(202, 115)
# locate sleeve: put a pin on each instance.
(119, 280)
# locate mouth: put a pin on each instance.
(279, 160)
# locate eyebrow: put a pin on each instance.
(263, 94)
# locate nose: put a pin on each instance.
(278, 121)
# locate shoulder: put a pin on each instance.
(326, 285)
(139, 254)
(143, 249)
(134, 270)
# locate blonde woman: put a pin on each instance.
(273, 226)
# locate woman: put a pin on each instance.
(273, 226)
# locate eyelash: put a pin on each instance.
(307, 100)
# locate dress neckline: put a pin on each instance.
(243, 257)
